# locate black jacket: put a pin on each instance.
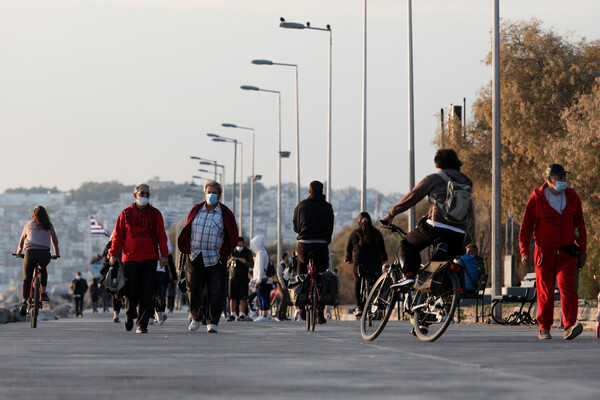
(79, 286)
(313, 218)
(373, 253)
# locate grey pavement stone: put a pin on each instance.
(92, 356)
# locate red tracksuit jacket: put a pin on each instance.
(551, 229)
(139, 233)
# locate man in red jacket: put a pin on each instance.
(139, 232)
(555, 218)
(208, 238)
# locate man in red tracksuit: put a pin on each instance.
(555, 218)
(139, 232)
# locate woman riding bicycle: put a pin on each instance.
(366, 250)
(35, 240)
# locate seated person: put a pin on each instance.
(473, 267)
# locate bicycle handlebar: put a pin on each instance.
(54, 257)
(395, 229)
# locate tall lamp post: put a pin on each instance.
(208, 172)
(255, 88)
(206, 161)
(226, 125)
(295, 25)
(268, 62)
(222, 139)
(411, 118)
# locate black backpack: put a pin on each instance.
(270, 269)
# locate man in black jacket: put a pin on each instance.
(313, 222)
(78, 288)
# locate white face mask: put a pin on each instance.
(78, 278)
(239, 248)
(142, 201)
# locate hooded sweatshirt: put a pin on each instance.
(261, 261)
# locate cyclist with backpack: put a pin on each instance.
(449, 193)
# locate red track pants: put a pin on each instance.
(553, 265)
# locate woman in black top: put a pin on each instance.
(365, 246)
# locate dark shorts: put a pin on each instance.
(238, 289)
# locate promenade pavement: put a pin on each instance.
(95, 358)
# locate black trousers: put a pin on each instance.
(32, 258)
(139, 290)
(160, 292)
(285, 302)
(215, 279)
(423, 236)
(78, 305)
(117, 303)
(319, 252)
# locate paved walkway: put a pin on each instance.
(75, 358)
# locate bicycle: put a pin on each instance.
(366, 284)
(431, 313)
(35, 301)
(313, 299)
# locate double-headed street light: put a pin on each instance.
(226, 125)
(255, 88)
(268, 62)
(295, 25)
(222, 139)
(207, 171)
(206, 161)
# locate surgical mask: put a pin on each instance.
(78, 277)
(211, 198)
(239, 248)
(560, 186)
(142, 201)
(289, 259)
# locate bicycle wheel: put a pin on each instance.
(314, 307)
(378, 307)
(502, 320)
(35, 304)
(433, 313)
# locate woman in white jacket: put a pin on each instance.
(261, 261)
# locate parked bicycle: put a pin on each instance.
(431, 308)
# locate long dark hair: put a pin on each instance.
(40, 216)
(366, 231)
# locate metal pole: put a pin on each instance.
(442, 124)
(297, 143)
(223, 182)
(234, 170)
(411, 118)
(464, 118)
(328, 193)
(215, 170)
(496, 157)
(252, 192)
(363, 180)
(241, 186)
(279, 180)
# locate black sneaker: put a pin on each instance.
(116, 320)
(128, 324)
(23, 308)
(141, 329)
(45, 297)
(321, 320)
(231, 318)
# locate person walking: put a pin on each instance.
(206, 241)
(37, 237)
(261, 280)
(437, 225)
(555, 219)
(95, 291)
(365, 250)
(240, 263)
(164, 276)
(139, 232)
(79, 287)
(313, 222)
(284, 274)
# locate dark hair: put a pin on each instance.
(40, 216)
(241, 239)
(316, 187)
(366, 231)
(447, 158)
(472, 246)
(284, 256)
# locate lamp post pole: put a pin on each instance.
(295, 25)
(247, 87)
(411, 118)
(252, 178)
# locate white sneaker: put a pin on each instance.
(194, 325)
(211, 328)
(262, 318)
(162, 319)
(151, 321)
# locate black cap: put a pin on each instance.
(556, 169)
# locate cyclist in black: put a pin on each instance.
(313, 222)
(434, 226)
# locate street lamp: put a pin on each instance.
(207, 171)
(268, 62)
(226, 125)
(255, 88)
(205, 161)
(221, 139)
(295, 25)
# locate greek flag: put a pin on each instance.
(97, 229)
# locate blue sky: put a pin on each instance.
(127, 90)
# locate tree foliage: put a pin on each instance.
(548, 94)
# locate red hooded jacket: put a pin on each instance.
(231, 232)
(139, 233)
(551, 229)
